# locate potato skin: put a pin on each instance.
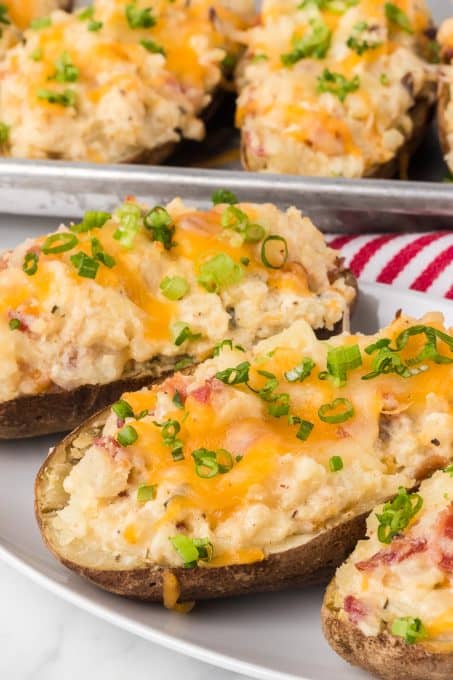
(61, 411)
(388, 657)
(421, 114)
(443, 100)
(312, 563)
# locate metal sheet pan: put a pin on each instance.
(57, 188)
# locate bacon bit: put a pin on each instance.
(446, 563)
(354, 608)
(447, 523)
(400, 550)
(130, 198)
(444, 547)
(120, 422)
(175, 383)
(342, 433)
(202, 394)
(109, 444)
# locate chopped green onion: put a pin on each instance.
(224, 196)
(174, 287)
(30, 265)
(449, 470)
(181, 333)
(336, 463)
(184, 362)
(93, 219)
(86, 266)
(337, 84)
(123, 409)
(66, 98)
(279, 406)
(99, 253)
(341, 360)
(300, 372)
(65, 71)
(127, 435)
(337, 416)
(259, 57)
(95, 26)
(384, 79)
(177, 400)
(129, 216)
(254, 233)
(85, 14)
(314, 44)
(237, 220)
(209, 464)
(396, 16)
(245, 261)
(305, 428)
(191, 550)
(235, 376)
(4, 133)
(4, 19)
(277, 259)
(357, 43)
(335, 6)
(40, 22)
(397, 514)
(37, 54)
(152, 46)
(146, 492)
(160, 223)
(225, 343)
(59, 243)
(14, 324)
(139, 18)
(412, 630)
(170, 430)
(219, 272)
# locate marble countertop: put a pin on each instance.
(45, 638)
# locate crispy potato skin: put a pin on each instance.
(421, 114)
(62, 411)
(312, 563)
(386, 656)
(443, 100)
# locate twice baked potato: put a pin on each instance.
(107, 305)
(390, 606)
(252, 473)
(445, 99)
(338, 88)
(116, 82)
(17, 15)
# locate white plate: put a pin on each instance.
(274, 637)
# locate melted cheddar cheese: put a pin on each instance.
(411, 578)
(127, 79)
(279, 485)
(336, 82)
(69, 329)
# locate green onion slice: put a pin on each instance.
(191, 550)
(235, 376)
(305, 427)
(182, 333)
(14, 324)
(30, 265)
(160, 225)
(127, 435)
(146, 492)
(274, 257)
(412, 630)
(174, 287)
(220, 272)
(336, 463)
(341, 360)
(397, 514)
(59, 243)
(93, 219)
(338, 411)
(123, 409)
(86, 266)
(300, 372)
(224, 196)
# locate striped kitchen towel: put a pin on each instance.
(422, 262)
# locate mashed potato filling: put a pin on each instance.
(258, 450)
(16, 15)
(116, 80)
(328, 88)
(405, 587)
(97, 300)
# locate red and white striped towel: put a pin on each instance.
(422, 262)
